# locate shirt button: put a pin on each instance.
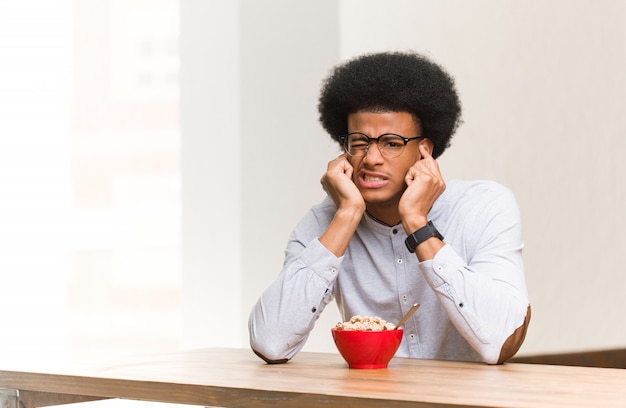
(333, 270)
(412, 336)
(404, 297)
(440, 268)
(395, 231)
(399, 260)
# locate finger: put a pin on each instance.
(424, 151)
(410, 176)
(345, 166)
(427, 161)
(338, 161)
(323, 183)
(342, 156)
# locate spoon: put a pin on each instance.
(407, 315)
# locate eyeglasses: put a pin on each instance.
(390, 145)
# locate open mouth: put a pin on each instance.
(372, 180)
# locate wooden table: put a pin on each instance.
(237, 378)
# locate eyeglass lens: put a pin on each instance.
(389, 145)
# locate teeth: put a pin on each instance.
(372, 178)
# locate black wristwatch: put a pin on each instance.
(421, 235)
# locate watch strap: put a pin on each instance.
(421, 235)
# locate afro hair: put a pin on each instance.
(392, 82)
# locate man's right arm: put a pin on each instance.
(286, 311)
(337, 182)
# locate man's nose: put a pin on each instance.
(373, 154)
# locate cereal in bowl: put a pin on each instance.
(365, 323)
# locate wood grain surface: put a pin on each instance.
(237, 378)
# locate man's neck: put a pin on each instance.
(387, 215)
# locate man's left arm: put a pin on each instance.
(486, 297)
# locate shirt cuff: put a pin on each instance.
(436, 270)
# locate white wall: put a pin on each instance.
(286, 48)
(542, 87)
(252, 149)
(89, 180)
(211, 216)
(542, 91)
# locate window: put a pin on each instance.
(89, 175)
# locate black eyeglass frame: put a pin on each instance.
(405, 139)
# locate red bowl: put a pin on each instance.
(367, 349)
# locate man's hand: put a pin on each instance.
(337, 182)
(425, 183)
